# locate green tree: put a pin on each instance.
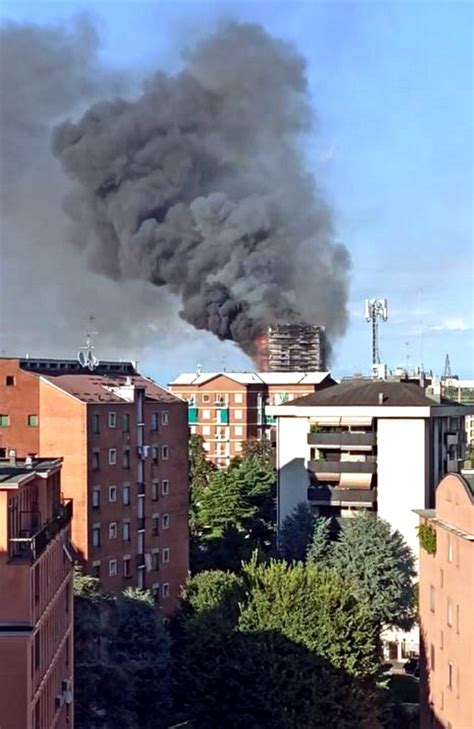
(296, 532)
(281, 646)
(380, 566)
(200, 471)
(122, 659)
(319, 550)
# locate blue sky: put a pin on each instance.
(392, 86)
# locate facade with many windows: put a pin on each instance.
(446, 606)
(36, 600)
(124, 443)
(228, 408)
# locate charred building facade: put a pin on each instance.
(295, 348)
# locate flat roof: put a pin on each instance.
(251, 378)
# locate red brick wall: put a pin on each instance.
(18, 402)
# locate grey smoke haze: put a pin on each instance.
(198, 186)
(47, 292)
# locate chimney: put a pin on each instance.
(380, 398)
(28, 462)
(12, 457)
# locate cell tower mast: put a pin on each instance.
(376, 309)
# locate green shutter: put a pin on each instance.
(192, 416)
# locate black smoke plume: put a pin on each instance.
(198, 185)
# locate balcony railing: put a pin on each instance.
(342, 439)
(340, 497)
(326, 466)
(30, 548)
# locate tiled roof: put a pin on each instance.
(251, 378)
(97, 388)
(366, 393)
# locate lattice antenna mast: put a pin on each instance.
(447, 367)
(85, 355)
(375, 309)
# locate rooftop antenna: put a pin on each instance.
(85, 355)
(375, 309)
(447, 367)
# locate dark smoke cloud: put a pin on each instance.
(198, 186)
(47, 292)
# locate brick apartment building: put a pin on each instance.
(446, 607)
(36, 602)
(124, 443)
(228, 408)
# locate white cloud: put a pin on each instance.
(452, 324)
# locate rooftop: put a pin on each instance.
(95, 387)
(367, 393)
(252, 378)
(14, 471)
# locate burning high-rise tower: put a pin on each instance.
(292, 348)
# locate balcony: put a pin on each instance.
(343, 439)
(31, 547)
(326, 495)
(325, 466)
(193, 415)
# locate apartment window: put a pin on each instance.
(206, 430)
(155, 559)
(165, 555)
(32, 421)
(238, 414)
(141, 507)
(10, 381)
(432, 598)
(112, 493)
(96, 460)
(37, 649)
(238, 430)
(441, 640)
(126, 494)
(164, 417)
(206, 414)
(112, 456)
(165, 452)
(4, 421)
(96, 497)
(113, 530)
(450, 548)
(126, 531)
(206, 446)
(450, 676)
(126, 567)
(112, 567)
(206, 398)
(165, 487)
(449, 617)
(154, 454)
(457, 619)
(165, 590)
(154, 421)
(140, 542)
(193, 429)
(96, 536)
(125, 423)
(238, 397)
(112, 420)
(96, 568)
(155, 485)
(165, 521)
(441, 578)
(238, 447)
(432, 657)
(155, 524)
(96, 424)
(126, 458)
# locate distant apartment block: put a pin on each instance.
(295, 348)
(446, 607)
(124, 443)
(36, 601)
(228, 408)
(461, 391)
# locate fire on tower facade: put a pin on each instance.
(293, 348)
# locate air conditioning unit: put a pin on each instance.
(148, 562)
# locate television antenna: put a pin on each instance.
(85, 355)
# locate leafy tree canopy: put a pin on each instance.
(296, 532)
